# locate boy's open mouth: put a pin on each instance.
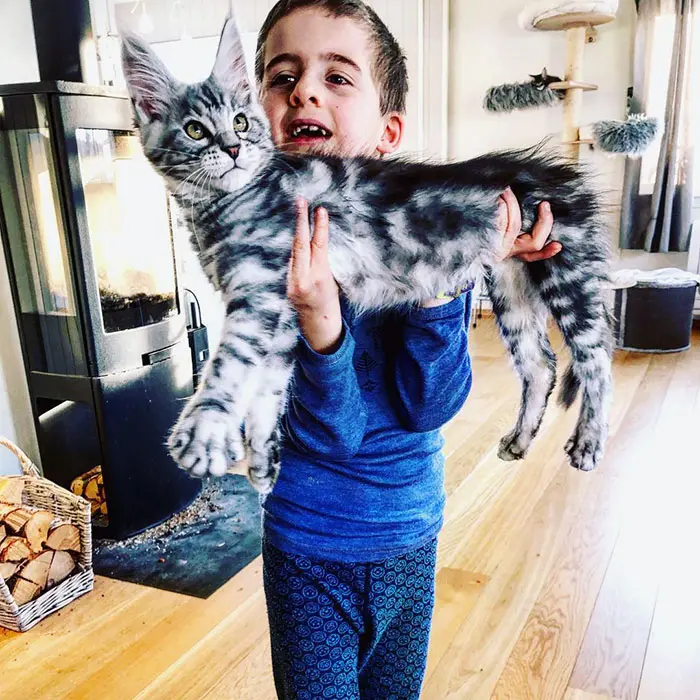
(303, 130)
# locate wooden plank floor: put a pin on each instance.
(552, 584)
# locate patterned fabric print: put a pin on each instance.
(350, 631)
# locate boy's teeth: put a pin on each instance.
(310, 129)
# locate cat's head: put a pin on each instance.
(212, 134)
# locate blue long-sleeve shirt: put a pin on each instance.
(362, 475)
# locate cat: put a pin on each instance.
(401, 232)
(543, 80)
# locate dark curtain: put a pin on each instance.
(656, 210)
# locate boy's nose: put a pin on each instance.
(304, 91)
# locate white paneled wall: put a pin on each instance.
(404, 19)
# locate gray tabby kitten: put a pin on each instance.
(400, 233)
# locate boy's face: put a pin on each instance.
(318, 91)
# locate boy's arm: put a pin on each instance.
(433, 369)
(326, 415)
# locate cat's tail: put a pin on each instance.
(570, 387)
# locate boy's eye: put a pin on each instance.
(195, 130)
(282, 79)
(240, 123)
(337, 79)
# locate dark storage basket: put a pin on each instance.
(654, 317)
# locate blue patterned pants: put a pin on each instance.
(355, 631)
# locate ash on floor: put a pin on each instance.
(197, 550)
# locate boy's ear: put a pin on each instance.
(148, 80)
(393, 133)
(230, 70)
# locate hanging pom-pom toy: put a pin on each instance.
(512, 96)
(630, 137)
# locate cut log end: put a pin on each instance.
(36, 529)
(62, 566)
(14, 549)
(11, 489)
(36, 569)
(8, 569)
(64, 537)
(25, 591)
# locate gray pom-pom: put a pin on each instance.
(511, 96)
(630, 137)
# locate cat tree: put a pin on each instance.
(631, 136)
(580, 30)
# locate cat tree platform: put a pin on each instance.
(572, 20)
(573, 85)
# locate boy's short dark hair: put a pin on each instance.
(389, 69)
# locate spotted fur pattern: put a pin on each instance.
(401, 232)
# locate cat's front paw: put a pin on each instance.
(206, 441)
(585, 451)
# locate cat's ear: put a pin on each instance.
(230, 70)
(148, 80)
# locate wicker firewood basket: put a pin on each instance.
(68, 508)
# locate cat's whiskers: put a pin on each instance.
(201, 177)
(191, 175)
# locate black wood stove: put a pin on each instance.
(87, 233)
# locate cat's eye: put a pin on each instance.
(240, 123)
(195, 130)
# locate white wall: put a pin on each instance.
(18, 64)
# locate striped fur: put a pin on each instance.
(401, 232)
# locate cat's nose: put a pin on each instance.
(233, 151)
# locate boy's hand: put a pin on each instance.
(527, 247)
(310, 284)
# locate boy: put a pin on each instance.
(350, 528)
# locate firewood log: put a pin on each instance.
(6, 509)
(61, 567)
(11, 488)
(63, 537)
(34, 525)
(36, 529)
(37, 568)
(25, 591)
(16, 519)
(8, 569)
(14, 549)
(92, 489)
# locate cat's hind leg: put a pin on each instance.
(574, 294)
(522, 320)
